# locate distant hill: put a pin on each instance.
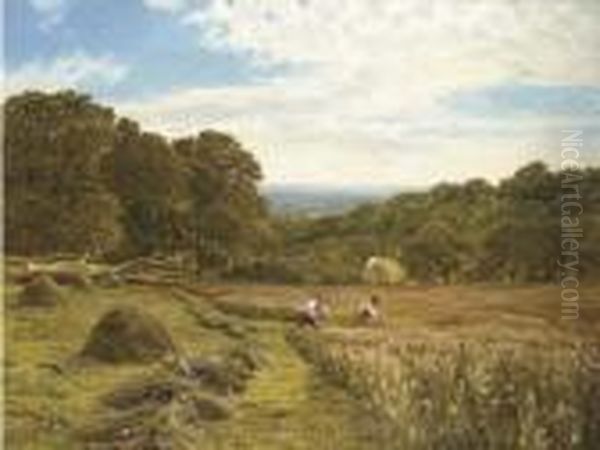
(311, 200)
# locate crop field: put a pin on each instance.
(451, 367)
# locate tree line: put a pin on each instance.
(79, 179)
(512, 232)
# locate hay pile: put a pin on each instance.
(75, 280)
(380, 270)
(127, 334)
(229, 374)
(154, 413)
(41, 291)
(170, 409)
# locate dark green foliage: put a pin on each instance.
(80, 181)
(227, 221)
(56, 198)
(146, 175)
(127, 335)
(454, 233)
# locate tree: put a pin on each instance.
(228, 216)
(529, 220)
(56, 198)
(434, 253)
(148, 177)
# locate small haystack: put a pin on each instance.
(127, 334)
(41, 291)
(75, 280)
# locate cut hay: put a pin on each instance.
(216, 377)
(244, 360)
(227, 375)
(126, 334)
(41, 291)
(154, 413)
(202, 406)
(73, 279)
(152, 392)
(70, 279)
(155, 393)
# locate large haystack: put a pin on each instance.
(383, 271)
(127, 334)
(41, 291)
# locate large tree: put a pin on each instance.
(527, 229)
(55, 196)
(228, 216)
(148, 177)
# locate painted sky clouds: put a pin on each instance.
(333, 91)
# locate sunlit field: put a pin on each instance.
(301, 225)
(451, 367)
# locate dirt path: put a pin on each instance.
(287, 406)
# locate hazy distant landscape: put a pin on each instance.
(314, 201)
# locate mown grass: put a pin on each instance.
(527, 313)
(288, 407)
(458, 367)
(50, 394)
(453, 368)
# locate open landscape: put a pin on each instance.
(452, 365)
(301, 225)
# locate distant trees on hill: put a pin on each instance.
(456, 233)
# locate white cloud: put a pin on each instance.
(301, 136)
(361, 99)
(76, 70)
(52, 11)
(48, 6)
(431, 44)
(170, 6)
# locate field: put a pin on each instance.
(451, 367)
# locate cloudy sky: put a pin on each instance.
(337, 92)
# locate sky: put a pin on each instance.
(332, 92)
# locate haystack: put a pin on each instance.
(127, 334)
(41, 291)
(75, 280)
(381, 270)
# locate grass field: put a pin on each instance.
(452, 367)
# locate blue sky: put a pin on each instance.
(338, 92)
(159, 51)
